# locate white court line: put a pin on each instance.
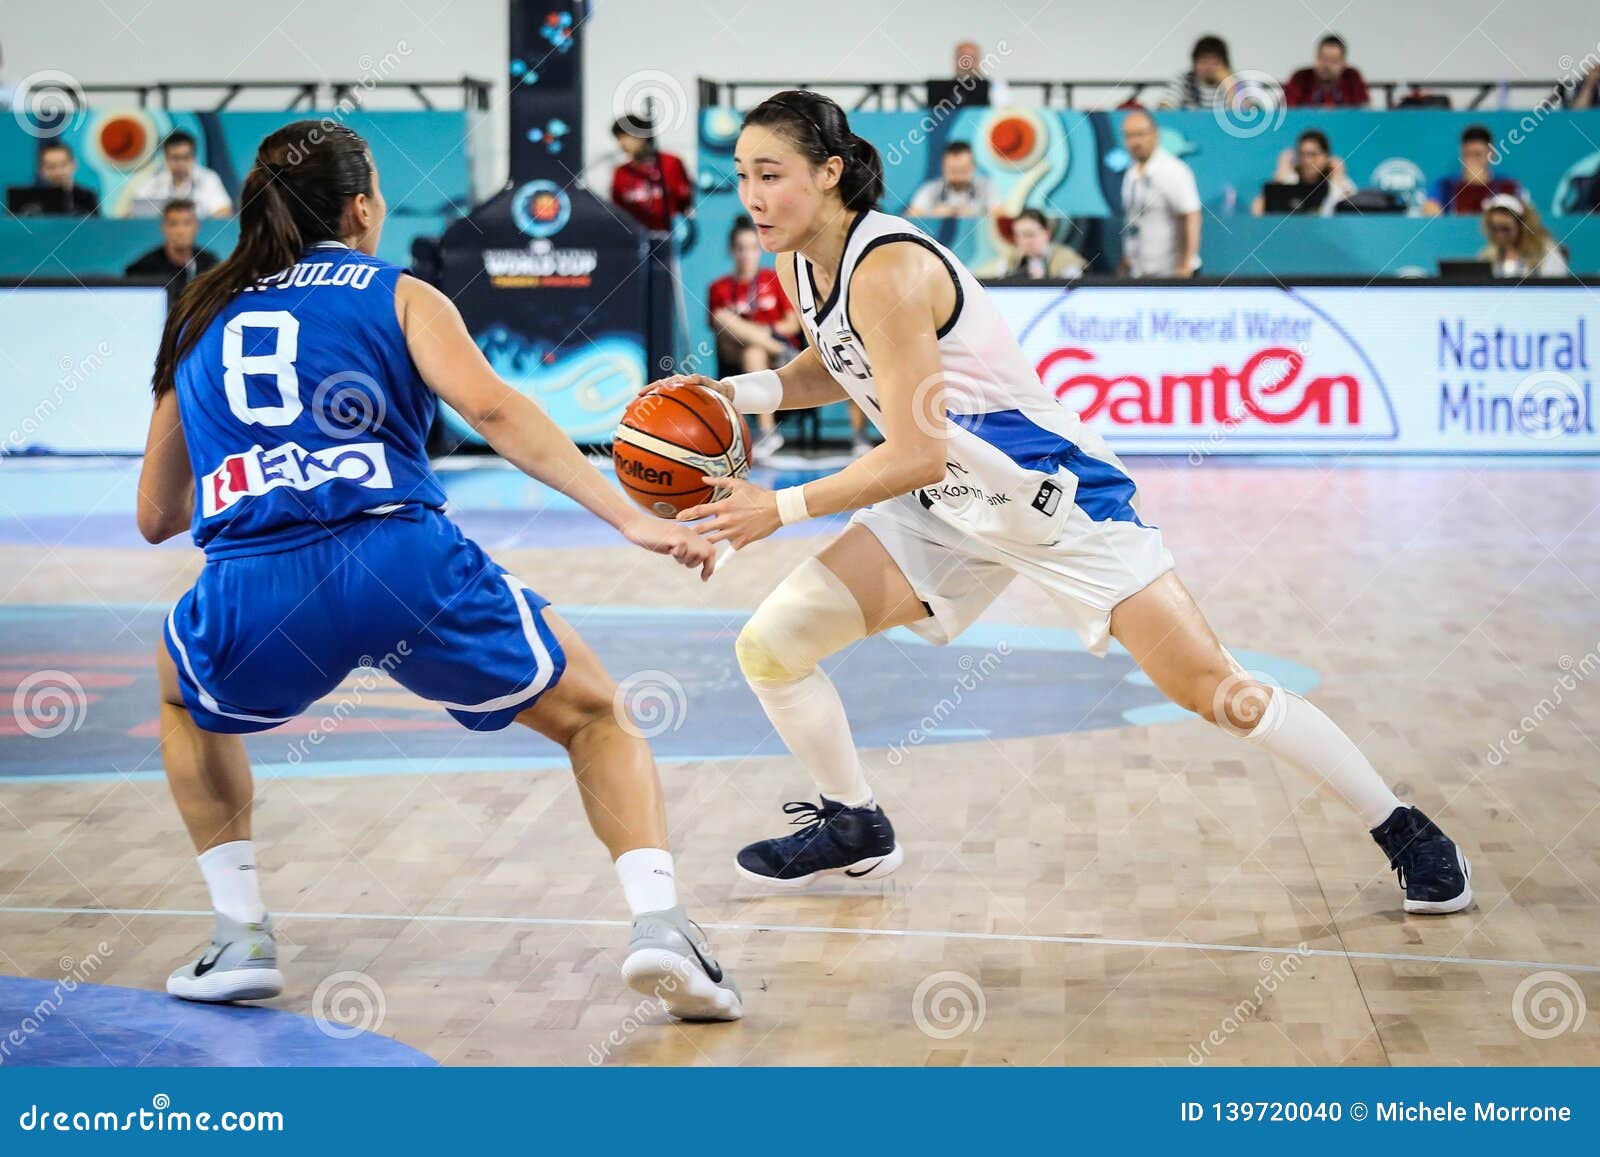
(828, 930)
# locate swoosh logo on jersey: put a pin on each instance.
(204, 965)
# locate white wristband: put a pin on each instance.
(757, 393)
(792, 505)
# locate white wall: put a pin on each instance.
(811, 40)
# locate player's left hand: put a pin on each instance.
(748, 514)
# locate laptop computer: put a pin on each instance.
(1462, 269)
(1279, 198)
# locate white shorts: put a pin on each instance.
(1093, 567)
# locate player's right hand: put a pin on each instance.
(681, 542)
(713, 384)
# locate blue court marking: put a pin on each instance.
(998, 681)
(62, 1023)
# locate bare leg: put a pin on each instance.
(615, 771)
(208, 774)
(1169, 638)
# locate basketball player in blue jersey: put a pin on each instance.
(981, 477)
(293, 392)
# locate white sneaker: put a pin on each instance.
(767, 445)
(669, 958)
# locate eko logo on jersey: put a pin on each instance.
(260, 469)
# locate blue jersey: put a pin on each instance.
(303, 409)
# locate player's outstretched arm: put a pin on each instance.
(166, 480)
(518, 430)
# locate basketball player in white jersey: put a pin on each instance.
(982, 476)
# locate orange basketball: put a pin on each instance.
(669, 438)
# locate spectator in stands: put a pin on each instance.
(1318, 177)
(971, 85)
(177, 260)
(1038, 255)
(754, 324)
(1581, 91)
(1519, 244)
(57, 193)
(652, 186)
(7, 93)
(181, 178)
(1467, 191)
(959, 191)
(1160, 206)
(1211, 79)
(1329, 83)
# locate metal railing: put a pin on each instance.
(303, 94)
(911, 95)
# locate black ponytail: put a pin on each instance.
(818, 129)
(294, 196)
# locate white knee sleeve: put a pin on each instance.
(809, 616)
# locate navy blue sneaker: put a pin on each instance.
(833, 840)
(1432, 870)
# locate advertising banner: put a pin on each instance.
(1318, 370)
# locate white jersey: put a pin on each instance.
(1016, 459)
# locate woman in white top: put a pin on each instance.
(1519, 244)
(982, 476)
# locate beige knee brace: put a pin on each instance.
(810, 615)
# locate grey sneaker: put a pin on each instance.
(669, 958)
(241, 964)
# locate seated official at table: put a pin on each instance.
(57, 193)
(755, 326)
(177, 259)
(1038, 257)
(1519, 244)
(1313, 180)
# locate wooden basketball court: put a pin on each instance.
(1090, 892)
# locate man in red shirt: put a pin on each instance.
(1467, 191)
(756, 328)
(652, 186)
(1330, 83)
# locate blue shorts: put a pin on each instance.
(262, 637)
